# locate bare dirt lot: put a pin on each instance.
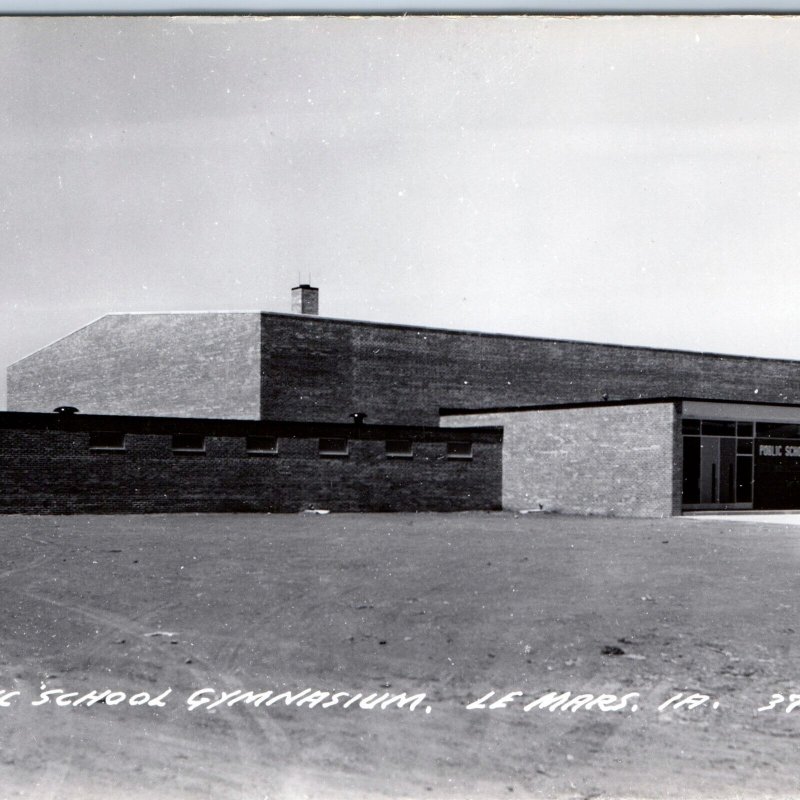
(453, 606)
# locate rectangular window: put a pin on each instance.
(188, 443)
(744, 479)
(744, 429)
(399, 448)
(262, 445)
(459, 449)
(691, 469)
(334, 447)
(691, 427)
(744, 446)
(106, 440)
(716, 427)
(778, 430)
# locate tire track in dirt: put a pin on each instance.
(260, 727)
(58, 771)
(37, 563)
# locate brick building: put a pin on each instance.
(250, 365)
(647, 458)
(84, 463)
(589, 428)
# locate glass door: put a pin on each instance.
(717, 465)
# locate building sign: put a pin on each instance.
(779, 450)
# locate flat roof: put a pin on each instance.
(693, 404)
(77, 422)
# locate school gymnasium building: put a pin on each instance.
(265, 411)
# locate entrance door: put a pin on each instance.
(709, 469)
(717, 464)
(717, 470)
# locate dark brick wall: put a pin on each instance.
(150, 364)
(612, 460)
(317, 368)
(47, 471)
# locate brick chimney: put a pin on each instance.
(305, 299)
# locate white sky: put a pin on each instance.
(632, 180)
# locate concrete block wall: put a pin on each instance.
(192, 365)
(48, 471)
(615, 460)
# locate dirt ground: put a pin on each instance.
(452, 606)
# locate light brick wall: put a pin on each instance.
(609, 460)
(187, 365)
